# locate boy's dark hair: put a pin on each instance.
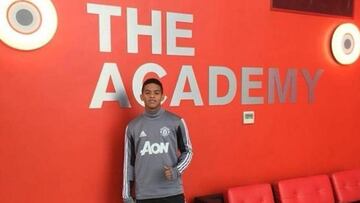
(152, 80)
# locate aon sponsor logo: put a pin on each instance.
(155, 148)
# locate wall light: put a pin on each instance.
(345, 43)
(27, 24)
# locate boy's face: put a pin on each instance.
(152, 96)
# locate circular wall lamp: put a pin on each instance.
(345, 43)
(27, 24)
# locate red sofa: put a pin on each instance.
(347, 185)
(259, 193)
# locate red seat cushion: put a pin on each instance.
(312, 189)
(260, 193)
(347, 185)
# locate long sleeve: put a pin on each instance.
(154, 142)
(184, 146)
(128, 171)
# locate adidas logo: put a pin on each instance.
(142, 134)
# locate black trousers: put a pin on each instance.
(171, 199)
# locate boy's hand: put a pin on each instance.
(168, 173)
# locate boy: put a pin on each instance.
(157, 151)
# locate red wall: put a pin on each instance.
(54, 148)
